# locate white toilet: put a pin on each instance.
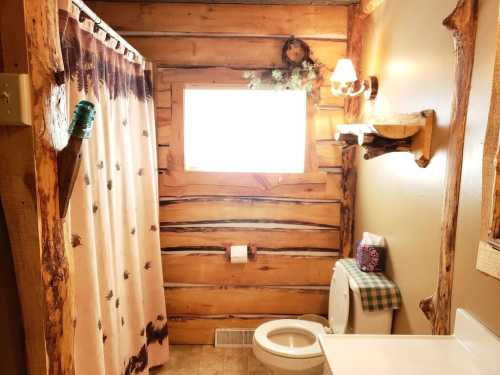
(291, 346)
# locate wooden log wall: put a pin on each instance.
(294, 220)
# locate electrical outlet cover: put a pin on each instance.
(15, 99)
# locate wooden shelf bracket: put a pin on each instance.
(405, 133)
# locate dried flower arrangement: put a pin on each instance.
(300, 73)
(296, 78)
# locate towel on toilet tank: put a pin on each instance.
(377, 292)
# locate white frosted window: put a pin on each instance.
(242, 130)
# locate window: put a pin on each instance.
(243, 130)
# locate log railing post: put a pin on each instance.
(29, 188)
(462, 22)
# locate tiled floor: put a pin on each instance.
(208, 360)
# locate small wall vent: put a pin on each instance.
(233, 337)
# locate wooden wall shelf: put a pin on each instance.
(404, 133)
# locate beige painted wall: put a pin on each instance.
(412, 54)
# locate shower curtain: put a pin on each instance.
(121, 326)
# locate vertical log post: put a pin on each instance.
(348, 198)
(352, 110)
(357, 15)
(45, 59)
(351, 113)
(462, 22)
(355, 27)
(29, 188)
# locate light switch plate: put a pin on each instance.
(15, 99)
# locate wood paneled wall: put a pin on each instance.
(294, 221)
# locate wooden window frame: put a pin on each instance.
(174, 175)
(488, 257)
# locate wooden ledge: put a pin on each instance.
(404, 133)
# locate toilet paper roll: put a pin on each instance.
(239, 254)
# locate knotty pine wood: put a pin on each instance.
(296, 239)
(265, 20)
(29, 190)
(327, 99)
(311, 160)
(200, 75)
(221, 299)
(265, 269)
(329, 154)
(325, 122)
(494, 211)
(163, 133)
(17, 191)
(163, 156)
(349, 176)
(490, 208)
(224, 75)
(164, 116)
(231, 198)
(163, 126)
(253, 53)
(18, 194)
(163, 98)
(356, 21)
(234, 210)
(193, 329)
(462, 23)
(13, 42)
(45, 58)
(318, 185)
(356, 18)
(176, 142)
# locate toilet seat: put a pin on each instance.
(309, 331)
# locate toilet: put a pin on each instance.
(291, 346)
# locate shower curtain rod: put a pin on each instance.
(106, 28)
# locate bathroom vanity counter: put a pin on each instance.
(472, 350)
(396, 355)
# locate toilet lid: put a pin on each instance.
(339, 300)
(264, 334)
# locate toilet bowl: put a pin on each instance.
(291, 346)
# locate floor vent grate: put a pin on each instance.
(233, 337)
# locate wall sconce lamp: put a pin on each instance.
(344, 82)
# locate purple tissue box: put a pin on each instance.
(370, 258)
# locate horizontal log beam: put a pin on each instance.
(200, 330)
(264, 238)
(300, 20)
(264, 270)
(253, 53)
(213, 300)
(316, 185)
(238, 210)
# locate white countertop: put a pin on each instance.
(399, 355)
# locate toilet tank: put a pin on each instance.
(345, 311)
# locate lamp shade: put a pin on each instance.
(344, 72)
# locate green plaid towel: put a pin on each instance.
(376, 290)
